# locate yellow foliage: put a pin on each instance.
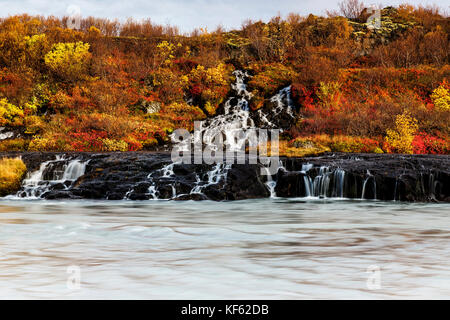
(166, 52)
(10, 114)
(329, 93)
(11, 174)
(402, 136)
(114, 145)
(14, 145)
(33, 124)
(42, 144)
(215, 84)
(68, 60)
(441, 98)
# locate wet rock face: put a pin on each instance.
(369, 176)
(144, 176)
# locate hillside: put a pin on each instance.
(126, 87)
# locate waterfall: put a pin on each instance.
(236, 116)
(166, 177)
(369, 177)
(339, 176)
(284, 94)
(60, 171)
(270, 183)
(322, 182)
(431, 186)
(166, 172)
(309, 187)
(216, 175)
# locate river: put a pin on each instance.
(252, 249)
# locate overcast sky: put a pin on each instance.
(186, 14)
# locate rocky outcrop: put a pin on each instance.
(378, 176)
(143, 176)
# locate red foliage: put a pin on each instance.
(424, 143)
(302, 95)
(87, 141)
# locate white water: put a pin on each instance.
(5, 135)
(370, 177)
(235, 118)
(216, 175)
(35, 183)
(237, 115)
(270, 183)
(278, 99)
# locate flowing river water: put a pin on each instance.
(269, 248)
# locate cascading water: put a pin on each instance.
(309, 187)
(283, 101)
(339, 176)
(372, 178)
(236, 116)
(216, 175)
(60, 171)
(270, 183)
(322, 182)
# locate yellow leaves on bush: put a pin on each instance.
(270, 77)
(167, 51)
(216, 76)
(114, 145)
(401, 138)
(42, 144)
(302, 147)
(68, 60)
(10, 114)
(11, 174)
(33, 124)
(181, 115)
(336, 143)
(329, 94)
(441, 97)
(212, 84)
(36, 45)
(14, 145)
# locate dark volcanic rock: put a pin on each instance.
(143, 176)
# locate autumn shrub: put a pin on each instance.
(181, 115)
(10, 115)
(68, 60)
(424, 143)
(441, 97)
(210, 86)
(302, 95)
(329, 94)
(268, 79)
(338, 143)
(355, 144)
(17, 144)
(401, 137)
(167, 85)
(12, 170)
(114, 145)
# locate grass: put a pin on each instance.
(12, 170)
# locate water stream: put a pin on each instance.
(258, 249)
